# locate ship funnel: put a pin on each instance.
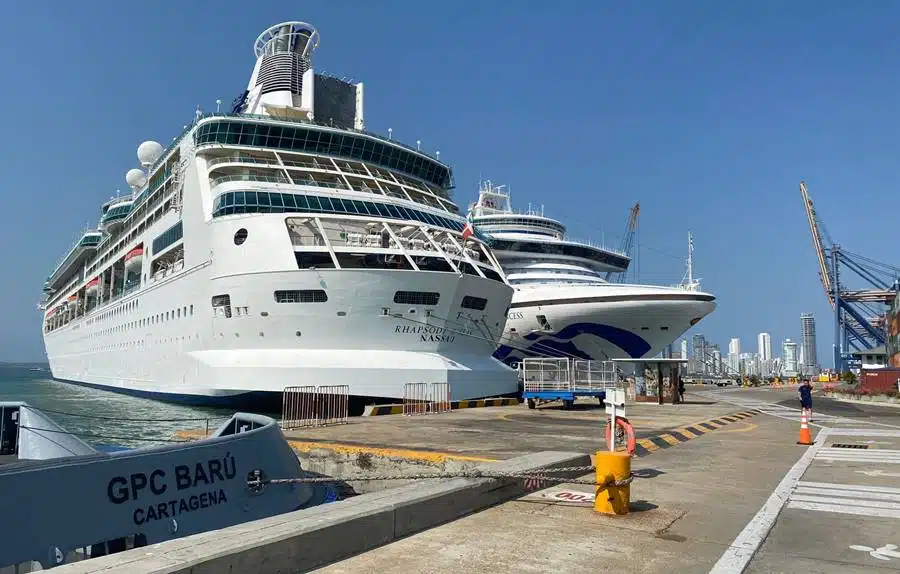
(282, 83)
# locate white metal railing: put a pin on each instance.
(567, 375)
(425, 398)
(311, 406)
(546, 374)
(594, 375)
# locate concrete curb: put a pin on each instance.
(307, 539)
(379, 410)
(650, 445)
(884, 402)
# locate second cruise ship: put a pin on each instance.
(280, 244)
(563, 306)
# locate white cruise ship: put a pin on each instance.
(278, 245)
(563, 305)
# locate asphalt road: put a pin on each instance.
(838, 508)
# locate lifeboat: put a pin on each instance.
(134, 259)
(92, 287)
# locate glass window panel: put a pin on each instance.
(276, 200)
(338, 205)
(288, 200)
(262, 198)
(313, 203)
(326, 204)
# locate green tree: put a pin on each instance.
(848, 377)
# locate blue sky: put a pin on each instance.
(708, 113)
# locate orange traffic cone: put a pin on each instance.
(805, 437)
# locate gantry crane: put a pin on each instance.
(858, 313)
(627, 243)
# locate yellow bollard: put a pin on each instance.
(612, 466)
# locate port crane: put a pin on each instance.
(627, 245)
(859, 314)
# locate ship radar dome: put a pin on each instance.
(136, 178)
(148, 152)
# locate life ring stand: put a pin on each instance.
(630, 443)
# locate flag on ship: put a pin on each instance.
(469, 229)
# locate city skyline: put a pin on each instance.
(798, 356)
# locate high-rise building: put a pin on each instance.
(684, 349)
(764, 353)
(700, 352)
(764, 342)
(789, 364)
(715, 360)
(734, 356)
(750, 364)
(809, 365)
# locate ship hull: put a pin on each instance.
(598, 322)
(167, 342)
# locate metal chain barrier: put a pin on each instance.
(541, 476)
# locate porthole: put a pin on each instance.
(240, 236)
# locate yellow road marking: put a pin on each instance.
(434, 457)
(648, 444)
(747, 427)
(688, 433)
(670, 439)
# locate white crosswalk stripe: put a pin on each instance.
(876, 456)
(875, 501)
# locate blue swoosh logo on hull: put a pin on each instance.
(560, 344)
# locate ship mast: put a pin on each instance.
(688, 282)
(690, 261)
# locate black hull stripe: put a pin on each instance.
(614, 299)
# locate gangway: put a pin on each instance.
(565, 379)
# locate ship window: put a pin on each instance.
(311, 140)
(313, 260)
(373, 261)
(240, 236)
(467, 268)
(167, 238)
(301, 296)
(416, 298)
(433, 264)
(221, 304)
(491, 274)
(260, 202)
(477, 303)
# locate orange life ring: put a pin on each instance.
(629, 433)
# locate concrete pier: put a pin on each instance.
(303, 540)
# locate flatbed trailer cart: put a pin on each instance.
(555, 379)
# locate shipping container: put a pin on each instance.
(880, 380)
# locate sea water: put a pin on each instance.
(102, 418)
